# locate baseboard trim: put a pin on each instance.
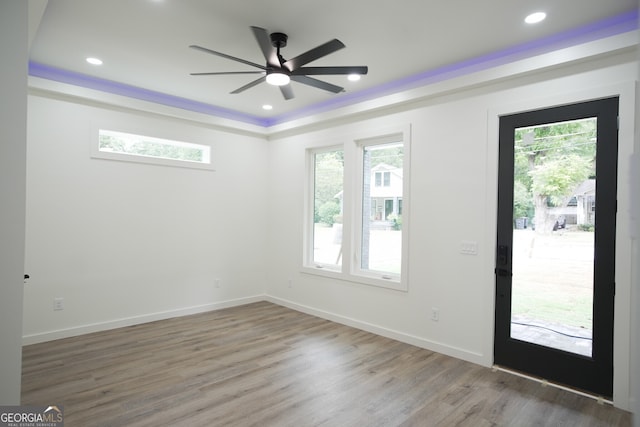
(135, 320)
(448, 350)
(438, 347)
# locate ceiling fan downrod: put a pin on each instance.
(279, 40)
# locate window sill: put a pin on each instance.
(151, 160)
(391, 282)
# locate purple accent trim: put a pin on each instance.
(605, 28)
(83, 80)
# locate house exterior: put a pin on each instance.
(386, 195)
(581, 208)
(386, 192)
(585, 197)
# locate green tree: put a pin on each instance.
(391, 156)
(553, 182)
(328, 182)
(111, 143)
(522, 201)
(140, 146)
(328, 211)
(550, 162)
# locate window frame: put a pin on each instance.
(349, 270)
(309, 235)
(97, 153)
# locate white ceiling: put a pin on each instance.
(144, 43)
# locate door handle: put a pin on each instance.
(503, 254)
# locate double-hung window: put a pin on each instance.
(357, 210)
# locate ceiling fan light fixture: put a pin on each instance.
(354, 77)
(278, 79)
(278, 71)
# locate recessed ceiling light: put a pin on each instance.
(535, 17)
(94, 61)
(267, 107)
(354, 77)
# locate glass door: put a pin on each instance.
(555, 247)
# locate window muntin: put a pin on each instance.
(117, 145)
(328, 181)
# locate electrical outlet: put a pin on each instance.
(435, 314)
(58, 304)
(216, 283)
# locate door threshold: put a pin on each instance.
(543, 382)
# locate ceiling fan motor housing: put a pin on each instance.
(279, 40)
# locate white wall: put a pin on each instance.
(124, 242)
(13, 109)
(453, 198)
(635, 301)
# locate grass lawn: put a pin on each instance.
(553, 277)
(552, 274)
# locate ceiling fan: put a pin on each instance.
(279, 71)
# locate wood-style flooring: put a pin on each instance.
(266, 365)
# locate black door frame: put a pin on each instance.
(592, 374)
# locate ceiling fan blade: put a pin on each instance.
(262, 37)
(317, 83)
(222, 73)
(250, 85)
(224, 55)
(313, 54)
(287, 91)
(311, 71)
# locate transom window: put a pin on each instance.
(147, 149)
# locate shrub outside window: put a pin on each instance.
(328, 178)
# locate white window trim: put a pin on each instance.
(134, 158)
(308, 237)
(373, 277)
(350, 271)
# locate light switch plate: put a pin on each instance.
(469, 247)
